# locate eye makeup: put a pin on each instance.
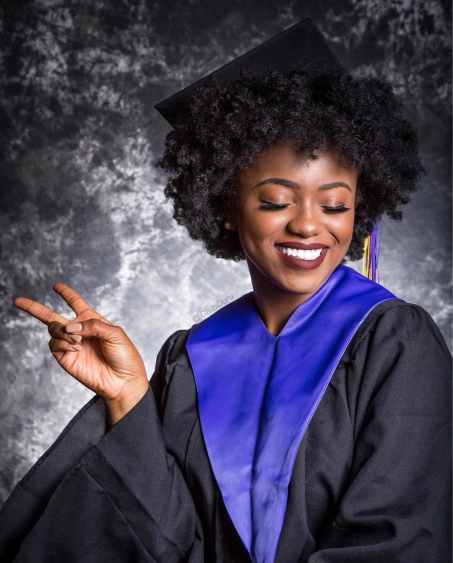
(272, 206)
(267, 205)
(336, 209)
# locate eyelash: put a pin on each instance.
(275, 206)
(339, 209)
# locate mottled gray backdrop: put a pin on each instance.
(81, 203)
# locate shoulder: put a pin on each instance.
(399, 359)
(172, 353)
(395, 323)
(172, 348)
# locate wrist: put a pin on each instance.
(132, 394)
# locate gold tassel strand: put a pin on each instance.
(366, 260)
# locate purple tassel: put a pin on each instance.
(375, 246)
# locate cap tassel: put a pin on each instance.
(371, 253)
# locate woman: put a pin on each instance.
(306, 421)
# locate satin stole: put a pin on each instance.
(258, 392)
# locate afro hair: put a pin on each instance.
(229, 125)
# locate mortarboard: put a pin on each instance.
(301, 46)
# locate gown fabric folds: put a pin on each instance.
(371, 480)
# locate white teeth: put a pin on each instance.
(301, 254)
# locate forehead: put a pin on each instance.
(287, 161)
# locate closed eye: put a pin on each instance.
(338, 209)
(272, 206)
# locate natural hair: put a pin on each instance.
(229, 124)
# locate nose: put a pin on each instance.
(305, 222)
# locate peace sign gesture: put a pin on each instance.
(98, 354)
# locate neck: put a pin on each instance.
(274, 303)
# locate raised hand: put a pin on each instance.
(98, 354)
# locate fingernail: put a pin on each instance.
(74, 327)
(76, 347)
(76, 337)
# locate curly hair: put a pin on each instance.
(229, 124)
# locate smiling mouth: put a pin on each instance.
(300, 256)
(312, 254)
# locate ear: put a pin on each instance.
(229, 212)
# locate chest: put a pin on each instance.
(318, 478)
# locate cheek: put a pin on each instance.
(257, 226)
(341, 223)
(351, 222)
(348, 225)
(342, 227)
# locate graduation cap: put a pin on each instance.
(299, 47)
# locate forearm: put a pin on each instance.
(119, 407)
(139, 505)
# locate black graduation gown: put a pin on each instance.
(371, 482)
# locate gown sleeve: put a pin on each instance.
(104, 495)
(397, 505)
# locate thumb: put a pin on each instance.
(96, 327)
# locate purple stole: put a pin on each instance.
(257, 393)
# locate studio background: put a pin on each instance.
(80, 201)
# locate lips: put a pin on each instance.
(299, 263)
(301, 245)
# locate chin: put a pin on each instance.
(303, 282)
(292, 280)
(303, 288)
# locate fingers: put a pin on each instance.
(56, 345)
(97, 328)
(46, 315)
(58, 330)
(68, 336)
(72, 298)
(37, 310)
(63, 341)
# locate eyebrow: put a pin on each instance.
(295, 186)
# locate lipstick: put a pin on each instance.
(299, 263)
(302, 245)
